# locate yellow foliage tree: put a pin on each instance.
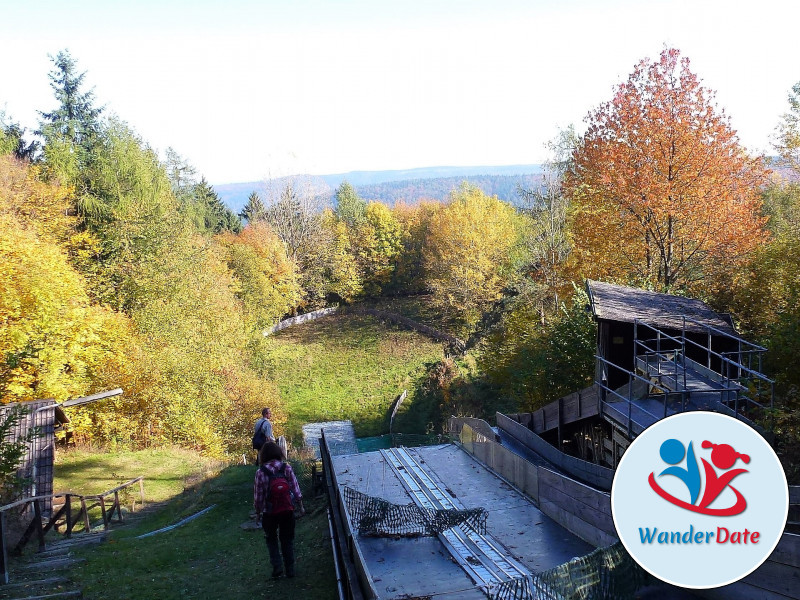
(377, 241)
(267, 279)
(415, 221)
(54, 342)
(468, 252)
(342, 273)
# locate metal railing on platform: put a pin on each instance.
(606, 391)
(660, 351)
(741, 387)
(735, 372)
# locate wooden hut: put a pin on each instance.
(47, 417)
(37, 465)
(624, 313)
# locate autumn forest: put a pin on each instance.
(120, 267)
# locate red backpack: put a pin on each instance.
(279, 491)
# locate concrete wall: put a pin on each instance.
(323, 312)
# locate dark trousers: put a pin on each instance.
(280, 527)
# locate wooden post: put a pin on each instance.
(37, 512)
(103, 511)
(560, 444)
(70, 524)
(85, 514)
(117, 506)
(141, 490)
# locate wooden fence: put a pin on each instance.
(61, 516)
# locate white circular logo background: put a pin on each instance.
(667, 480)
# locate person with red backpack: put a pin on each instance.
(276, 495)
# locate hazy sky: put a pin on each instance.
(248, 89)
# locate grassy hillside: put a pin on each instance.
(347, 367)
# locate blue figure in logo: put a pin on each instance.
(672, 452)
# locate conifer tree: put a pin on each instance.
(217, 216)
(350, 208)
(254, 210)
(13, 142)
(70, 131)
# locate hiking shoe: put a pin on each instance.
(277, 573)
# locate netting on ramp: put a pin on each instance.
(606, 574)
(377, 517)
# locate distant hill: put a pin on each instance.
(411, 191)
(390, 186)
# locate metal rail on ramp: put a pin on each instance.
(482, 557)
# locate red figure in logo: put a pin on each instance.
(723, 456)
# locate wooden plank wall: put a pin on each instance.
(583, 470)
(776, 579)
(570, 408)
(514, 468)
(454, 425)
(581, 509)
(356, 579)
(37, 464)
(584, 511)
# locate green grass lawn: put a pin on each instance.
(167, 471)
(347, 367)
(210, 557)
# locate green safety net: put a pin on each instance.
(377, 517)
(606, 574)
(395, 440)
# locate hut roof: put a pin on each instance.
(612, 302)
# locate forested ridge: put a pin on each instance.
(123, 268)
(505, 187)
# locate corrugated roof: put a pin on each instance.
(611, 302)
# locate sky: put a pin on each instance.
(248, 90)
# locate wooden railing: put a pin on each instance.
(41, 525)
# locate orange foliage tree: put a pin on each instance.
(663, 194)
